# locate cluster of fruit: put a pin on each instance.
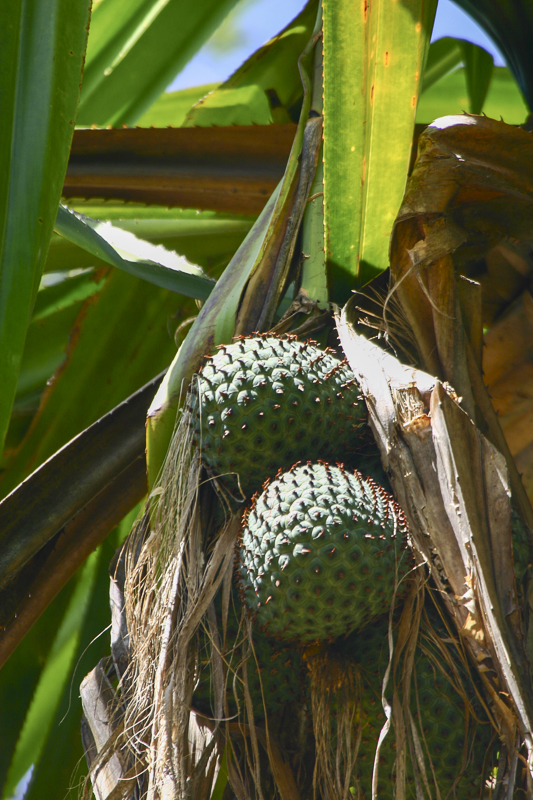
(324, 549)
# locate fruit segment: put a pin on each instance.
(322, 552)
(264, 402)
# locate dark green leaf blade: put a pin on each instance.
(51, 739)
(23, 671)
(54, 677)
(45, 348)
(447, 54)
(479, 66)
(509, 23)
(42, 46)
(444, 55)
(58, 292)
(48, 500)
(62, 761)
(206, 238)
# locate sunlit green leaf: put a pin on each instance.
(266, 87)
(186, 220)
(448, 53)
(314, 275)
(509, 23)
(450, 96)
(222, 779)
(478, 72)
(171, 108)
(206, 238)
(136, 48)
(240, 105)
(504, 98)
(372, 67)
(142, 259)
(42, 47)
(61, 291)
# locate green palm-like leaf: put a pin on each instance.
(50, 740)
(171, 108)
(450, 96)
(143, 259)
(206, 238)
(54, 677)
(119, 341)
(509, 23)
(20, 676)
(446, 54)
(136, 47)
(54, 314)
(478, 70)
(42, 46)
(373, 62)
(266, 87)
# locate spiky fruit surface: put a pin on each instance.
(321, 551)
(273, 670)
(369, 465)
(264, 402)
(438, 712)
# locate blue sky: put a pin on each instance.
(254, 22)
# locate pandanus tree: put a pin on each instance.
(286, 200)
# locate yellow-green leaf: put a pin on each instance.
(374, 55)
(266, 87)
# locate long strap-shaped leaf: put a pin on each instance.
(266, 87)
(373, 59)
(40, 506)
(107, 242)
(447, 53)
(233, 169)
(42, 47)
(40, 581)
(255, 264)
(510, 24)
(49, 738)
(136, 47)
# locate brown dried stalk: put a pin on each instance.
(453, 486)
